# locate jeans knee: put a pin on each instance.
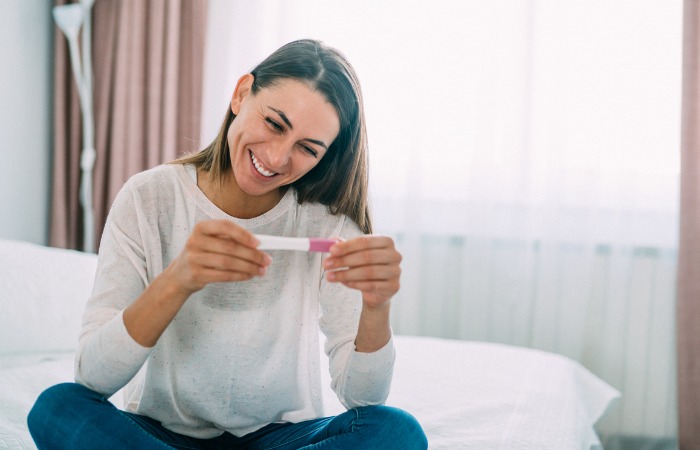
(50, 400)
(405, 429)
(53, 403)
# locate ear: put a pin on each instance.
(243, 89)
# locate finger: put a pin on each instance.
(380, 288)
(225, 237)
(363, 258)
(228, 247)
(374, 293)
(220, 276)
(361, 243)
(365, 273)
(228, 229)
(227, 263)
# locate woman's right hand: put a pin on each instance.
(217, 251)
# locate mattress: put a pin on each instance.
(466, 395)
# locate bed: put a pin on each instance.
(467, 395)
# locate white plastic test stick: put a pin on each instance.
(295, 243)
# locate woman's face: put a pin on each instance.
(278, 135)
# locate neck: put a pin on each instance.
(231, 199)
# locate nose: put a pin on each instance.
(279, 155)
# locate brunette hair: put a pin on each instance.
(340, 179)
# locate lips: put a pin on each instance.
(259, 167)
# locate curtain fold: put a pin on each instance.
(66, 228)
(148, 68)
(688, 308)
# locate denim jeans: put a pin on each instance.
(71, 416)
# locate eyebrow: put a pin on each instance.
(314, 141)
(284, 118)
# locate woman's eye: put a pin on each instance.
(310, 151)
(273, 124)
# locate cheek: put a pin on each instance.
(244, 134)
(235, 138)
(230, 134)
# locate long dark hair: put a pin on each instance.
(340, 179)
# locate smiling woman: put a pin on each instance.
(228, 335)
(335, 125)
(267, 151)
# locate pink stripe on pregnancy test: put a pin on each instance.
(292, 243)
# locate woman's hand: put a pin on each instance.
(217, 251)
(371, 265)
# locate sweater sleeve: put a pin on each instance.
(358, 379)
(108, 357)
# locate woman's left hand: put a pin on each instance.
(370, 264)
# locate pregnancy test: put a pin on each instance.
(294, 243)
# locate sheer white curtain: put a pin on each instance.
(524, 154)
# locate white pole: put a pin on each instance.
(69, 19)
(87, 158)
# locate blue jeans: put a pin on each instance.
(71, 416)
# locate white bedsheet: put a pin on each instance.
(472, 395)
(467, 395)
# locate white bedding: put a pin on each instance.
(467, 395)
(21, 382)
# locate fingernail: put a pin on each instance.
(331, 276)
(327, 263)
(268, 259)
(262, 271)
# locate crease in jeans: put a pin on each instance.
(160, 441)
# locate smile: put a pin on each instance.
(259, 167)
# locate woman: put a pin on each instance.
(217, 340)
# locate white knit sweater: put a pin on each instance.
(237, 356)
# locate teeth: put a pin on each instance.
(259, 166)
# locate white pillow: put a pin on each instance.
(43, 292)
